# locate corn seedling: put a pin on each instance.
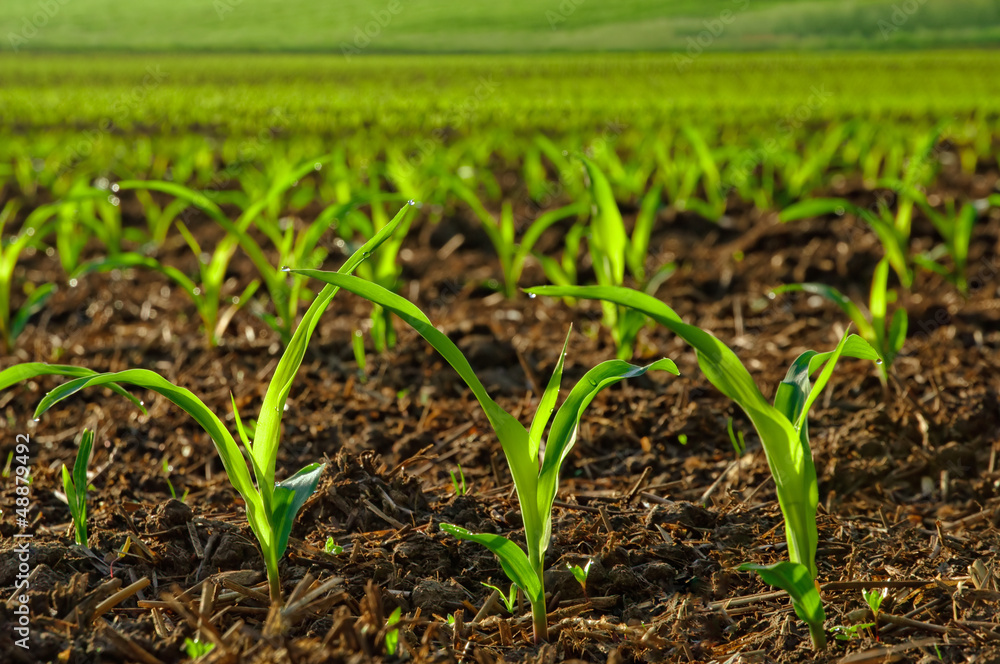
(509, 599)
(893, 232)
(536, 474)
(31, 236)
(75, 487)
(848, 632)
(581, 574)
(458, 481)
(196, 648)
(886, 335)
(502, 233)
(613, 251)
(392, 633)
(873, 598)
(783, 429)
(166, 475)
(207, 293)
(383, 269)
(271, 507)
(332, 547)
(956, 229)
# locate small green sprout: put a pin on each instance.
(886, 335)
(166, 474)
(848, 632)
(509, 599)
(75, 487)
(450, 619)
(196, 648)
(332, 547)
(458, 481)
(392, 634)
(358, 346)
(737, 440)
(581, 574)
(873, 597)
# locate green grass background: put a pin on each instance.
(455, 26)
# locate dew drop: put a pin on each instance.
(73, 283)
(285, 268)
(30, 232)
(532, 296)
(771, 296)
(878, 361)
(141, 402)
(37, 419)
(114, 187)
(411, 202)
(197, 290)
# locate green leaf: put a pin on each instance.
(795, 484)
(513, 436)
(265, 447)
(32, 305)
(607, 230)
(817, 207)
(289, 497)
(229, 452)
(547, 404)
(512, 559)
(795, 579)
(829, 292)
(29, 370)
(566, 424)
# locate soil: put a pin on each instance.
(908, 473)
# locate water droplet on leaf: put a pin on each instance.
(73, 283)
(532, 296)
(878, 361)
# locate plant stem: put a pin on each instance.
(539, 617)
(818, 635)
(539, 621)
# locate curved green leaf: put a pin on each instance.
(795, 579)
(512, 559)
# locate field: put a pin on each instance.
(505, 26)
(149, 207)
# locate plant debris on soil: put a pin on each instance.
(653, 493)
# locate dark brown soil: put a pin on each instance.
(908, 475)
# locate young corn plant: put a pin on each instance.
(535, 473)
(956, 229)
(207, 292)
(271, 506)
(31, 235)
(886, 335)
(502, 233)
(613, 251)
(893, 231)
(75, 487)
(783, 429)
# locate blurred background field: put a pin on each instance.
(452, 26)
